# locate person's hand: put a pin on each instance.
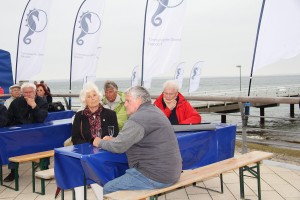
(96, 142)
(107, 138)
(172, 104)
(30, 102)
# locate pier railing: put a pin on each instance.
(274, 91)
(209, 100)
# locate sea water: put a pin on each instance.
(264, 86)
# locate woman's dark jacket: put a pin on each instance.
(108, 118)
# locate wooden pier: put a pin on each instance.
(228, 101)
(230, 106)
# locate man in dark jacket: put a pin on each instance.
(3, 116)
(27, 109)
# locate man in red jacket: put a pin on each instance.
(175, 106)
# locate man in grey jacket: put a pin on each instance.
(150, 144)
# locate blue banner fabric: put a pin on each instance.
(6, 77)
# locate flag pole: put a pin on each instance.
(256, 39)
(19, 41)
(190, 82)
(71, 61)
(245, 107)
(143, 50)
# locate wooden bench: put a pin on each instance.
(37, 159)
(191, 176)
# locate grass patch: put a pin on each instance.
(287, 152)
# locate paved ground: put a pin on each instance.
(278, 183)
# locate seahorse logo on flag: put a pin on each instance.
(163, 4)
(90, 23)
(196, 72)
(37, 21)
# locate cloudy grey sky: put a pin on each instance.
(221, 33)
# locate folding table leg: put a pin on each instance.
(62, 194)
(1, 176)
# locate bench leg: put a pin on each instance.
(16, 176)
(255, 172)
(33, 167)
(15, 167)
(258, 182)
(43, 164)
(221, 183)
(242, 190)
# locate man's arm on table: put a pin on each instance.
(131, 133)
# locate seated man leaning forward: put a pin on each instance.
(175, 106)
(150, 144)
(29, 108)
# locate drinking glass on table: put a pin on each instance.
(99, 133)
(111, 131)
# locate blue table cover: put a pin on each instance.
(65, 114)
(198, 148)
(32, 138)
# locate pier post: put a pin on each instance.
(223, 118)
(262, 114)
(292, 110)
(244, 127)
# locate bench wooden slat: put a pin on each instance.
(190, 176)
(32, 157)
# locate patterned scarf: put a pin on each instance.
(94, 119)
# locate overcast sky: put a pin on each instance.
(219, 32)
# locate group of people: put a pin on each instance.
(137, 124)
(27, 104)
(42, 90)
(22, 109)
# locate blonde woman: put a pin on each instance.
(92, 122)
